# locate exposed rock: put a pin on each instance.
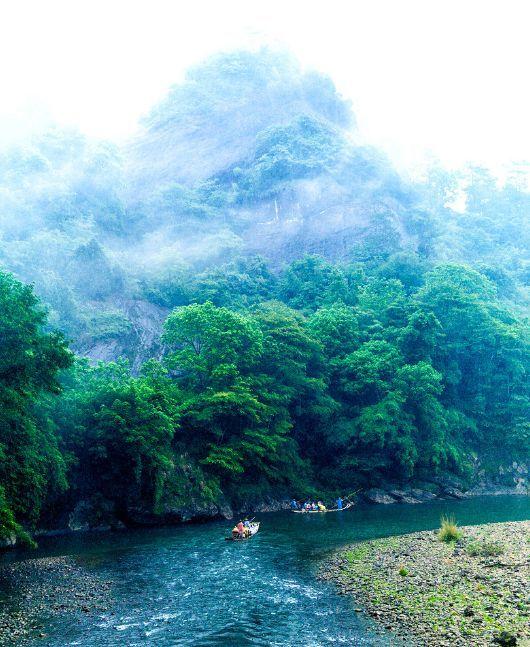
(422, 495)
(403, 496)
(93, 514)
(192, 511)
(378, 496)
(453, 493)
(268, 505)
(9, 541)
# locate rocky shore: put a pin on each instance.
(33, 591)
(100, 515)
(475, 591)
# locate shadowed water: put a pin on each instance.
(187, 586)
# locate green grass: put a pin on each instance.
(448, 530)
(357, 554)
(485, 548)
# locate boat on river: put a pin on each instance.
(348, 505)
(254, 527)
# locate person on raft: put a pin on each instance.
(339, 503)
(239, 531)
(294, 505)
(321, 506)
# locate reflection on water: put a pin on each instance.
(187, 586)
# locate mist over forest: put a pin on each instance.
(266, 305)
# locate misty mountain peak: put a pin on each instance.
(214, 118)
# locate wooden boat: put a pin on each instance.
(254, 527)
(348, 505)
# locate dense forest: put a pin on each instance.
(247, 301)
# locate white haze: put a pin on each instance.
(446, 79)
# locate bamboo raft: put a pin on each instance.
(348, 505)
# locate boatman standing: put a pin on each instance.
(339, 503)
(294, 505)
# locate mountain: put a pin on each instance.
(249, 155)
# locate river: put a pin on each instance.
(187, 586)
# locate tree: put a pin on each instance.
(311, 282)
(210, 346)
(31, 466)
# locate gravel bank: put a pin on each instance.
(472, 592)
(35, 590)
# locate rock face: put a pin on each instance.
(8, 542)
(192, 512)
(378, 496)
(513, 478)
(267, 505)
(140, 343)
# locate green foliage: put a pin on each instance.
(484, 548)
(312, 282)
(31, 467)
(303, 149)
(210, 345)
(10, 530)
(235, 415)
(168, 288)
(107, 325)
(361, 382)
(240, 284)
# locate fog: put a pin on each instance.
(146, 147)
(442, 79)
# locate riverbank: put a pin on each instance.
(470, 592)
(98, 515)
(34, 591)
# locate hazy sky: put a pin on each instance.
(447, 78)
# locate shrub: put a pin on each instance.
(403, 571)
(448, 530)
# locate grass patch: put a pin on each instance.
(448, 530)
(357, 554)
(485, 548)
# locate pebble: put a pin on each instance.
(41, 588)
(451, 601)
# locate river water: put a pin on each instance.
(187, 586)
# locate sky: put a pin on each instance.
(427, 78)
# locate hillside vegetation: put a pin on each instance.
(278, 310)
